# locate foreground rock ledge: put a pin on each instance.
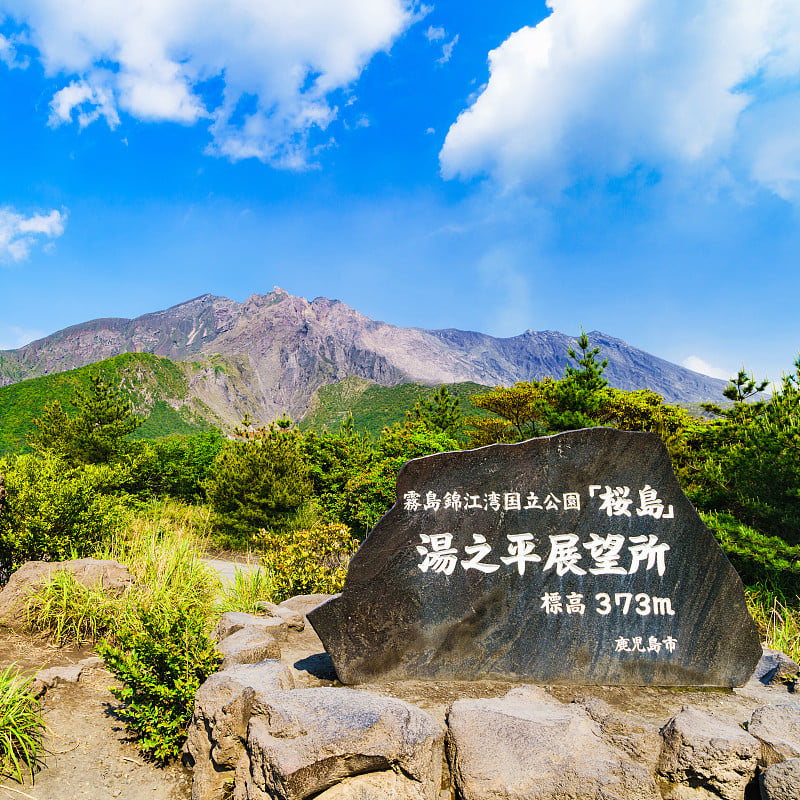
(668, 610)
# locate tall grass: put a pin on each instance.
(250, 587)
(777, 617)
(162, 548)
(21, 725)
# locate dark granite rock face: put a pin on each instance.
(570, 559)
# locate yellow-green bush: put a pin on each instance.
(307, 561)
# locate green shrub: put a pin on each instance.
(161, 662)
(162, 549)
(258, 481)
(54, 512)
(307, 561)
(21, 725)
(177, 466)
(370, 493)
(747, 461)
(758, 559)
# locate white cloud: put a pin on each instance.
(12, 336)
(19, 234)
(91, 103)
(597, 89)
(435, 34)
(698, 365)
(272, 66)
(447, 50)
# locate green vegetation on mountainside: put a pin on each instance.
(373, 407)
(144, 379)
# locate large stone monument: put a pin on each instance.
(570, 559)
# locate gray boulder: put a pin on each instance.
(234, 621)
(778, 728)
(293, 620)
(303, 742)
(111, 575)
(303, 603)
(248, 645)
(705, 757)
(529, 746)
(636, 737)
(781, 781)
(218, 730)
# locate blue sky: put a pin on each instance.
(631, 166)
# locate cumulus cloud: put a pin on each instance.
(91, 102)
(264, 74)
(698, 365)
(19, 234)
(596, 90)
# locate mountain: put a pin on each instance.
(270, 354)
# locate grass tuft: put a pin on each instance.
(249, 587)
(777, 618)
(21, 725)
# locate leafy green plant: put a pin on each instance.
(747, 461)
(307, 561)
(162, 548)
(161, 662)
(53, 511)
(21, 724)
(759, 559)
(95, 433)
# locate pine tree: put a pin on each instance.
(95, 434)
(441, 413)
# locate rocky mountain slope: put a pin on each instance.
(276, 350)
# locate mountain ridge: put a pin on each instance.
(287, 347)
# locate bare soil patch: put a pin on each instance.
(88, 752)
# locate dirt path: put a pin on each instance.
(89, 755)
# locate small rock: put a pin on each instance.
(778, 728)
(774, 667)
(781, 781)
(706, 757)
(234, 621)
(303, 603)
(529, 746)
(248, 646)
(55, 676)
(303, 742)
(90, 662)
